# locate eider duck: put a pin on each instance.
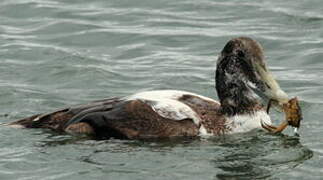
(241, 74)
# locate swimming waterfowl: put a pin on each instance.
(241, 74)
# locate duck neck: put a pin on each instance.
(236, 96)
(238, 101)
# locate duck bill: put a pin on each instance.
(272, 90)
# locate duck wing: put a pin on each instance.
(135, 119)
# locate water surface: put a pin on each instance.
(56, 53)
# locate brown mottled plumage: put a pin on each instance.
(211, 118)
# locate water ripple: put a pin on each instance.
(56, 53)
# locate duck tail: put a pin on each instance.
(24, 123)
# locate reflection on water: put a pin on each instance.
(261, 157)
(243, 156)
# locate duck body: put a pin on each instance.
(150, 114)
(241, 74)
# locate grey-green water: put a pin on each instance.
(55, 53)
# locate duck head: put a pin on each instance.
(242, 75)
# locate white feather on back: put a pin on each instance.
(173, 109)
(165, 94)
(166, 104)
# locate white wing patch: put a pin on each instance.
(165, 94)
(166, 104)
(173, 109)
